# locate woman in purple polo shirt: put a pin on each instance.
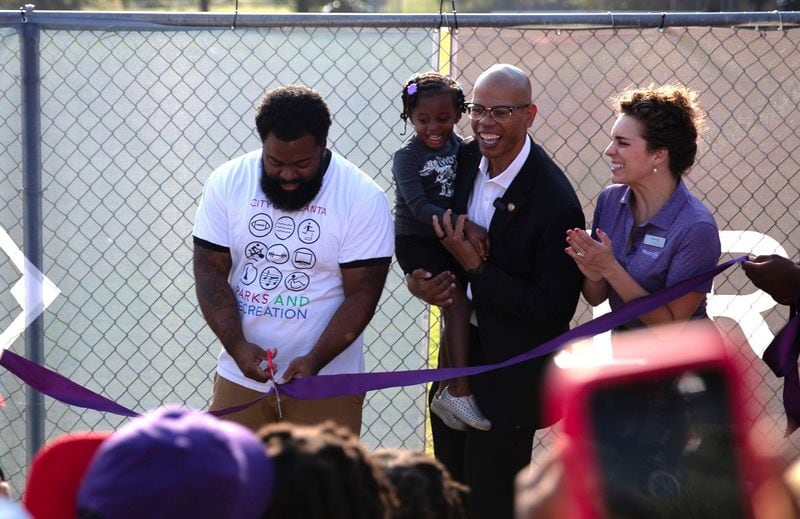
(650, 231)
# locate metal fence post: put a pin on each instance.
(32, 214)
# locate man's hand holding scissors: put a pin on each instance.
(269, 367)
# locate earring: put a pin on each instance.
(655, 170)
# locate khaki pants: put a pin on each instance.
(344, 410)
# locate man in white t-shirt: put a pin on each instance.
(292, 245)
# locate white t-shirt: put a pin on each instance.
(285, 265)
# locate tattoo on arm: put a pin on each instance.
(215, 296)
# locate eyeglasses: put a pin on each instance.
(500, 114)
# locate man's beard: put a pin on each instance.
(298, 198)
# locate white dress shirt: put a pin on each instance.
(486, 190)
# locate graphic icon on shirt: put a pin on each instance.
(444, 169)
(250, 274)
(260, 225)
(304, 258)
(278, 254)
(308, 231)
(255, 250)
(296, 281)
(284, 227)
(270, 278)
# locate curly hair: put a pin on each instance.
(671, 118)
(292, 111)
(323, 471)
(423, 485)
(428, 84)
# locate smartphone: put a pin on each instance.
(658, 431)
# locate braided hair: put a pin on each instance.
(323, 471)
(428, 84)
(423, 485)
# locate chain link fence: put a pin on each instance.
(137, 109)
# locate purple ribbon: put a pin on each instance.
(781, 357)
(326, 386)
(59, 387)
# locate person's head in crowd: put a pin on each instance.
(293, 123)
(423, 486)
(501, 111)
(433, 103)
(172, 462)
(56, 472)
(668, 120)
(175, 462)
(323, 471)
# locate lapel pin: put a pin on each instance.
(511, 207)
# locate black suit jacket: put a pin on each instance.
(529, 288)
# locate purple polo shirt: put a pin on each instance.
(678, 242)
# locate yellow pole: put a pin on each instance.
(445, 49)
(434, 315)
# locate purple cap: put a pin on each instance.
(175, 462)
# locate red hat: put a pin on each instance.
(56, 473)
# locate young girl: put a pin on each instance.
(424, 171)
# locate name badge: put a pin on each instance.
(654, 241)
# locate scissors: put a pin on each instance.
(271, 368)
